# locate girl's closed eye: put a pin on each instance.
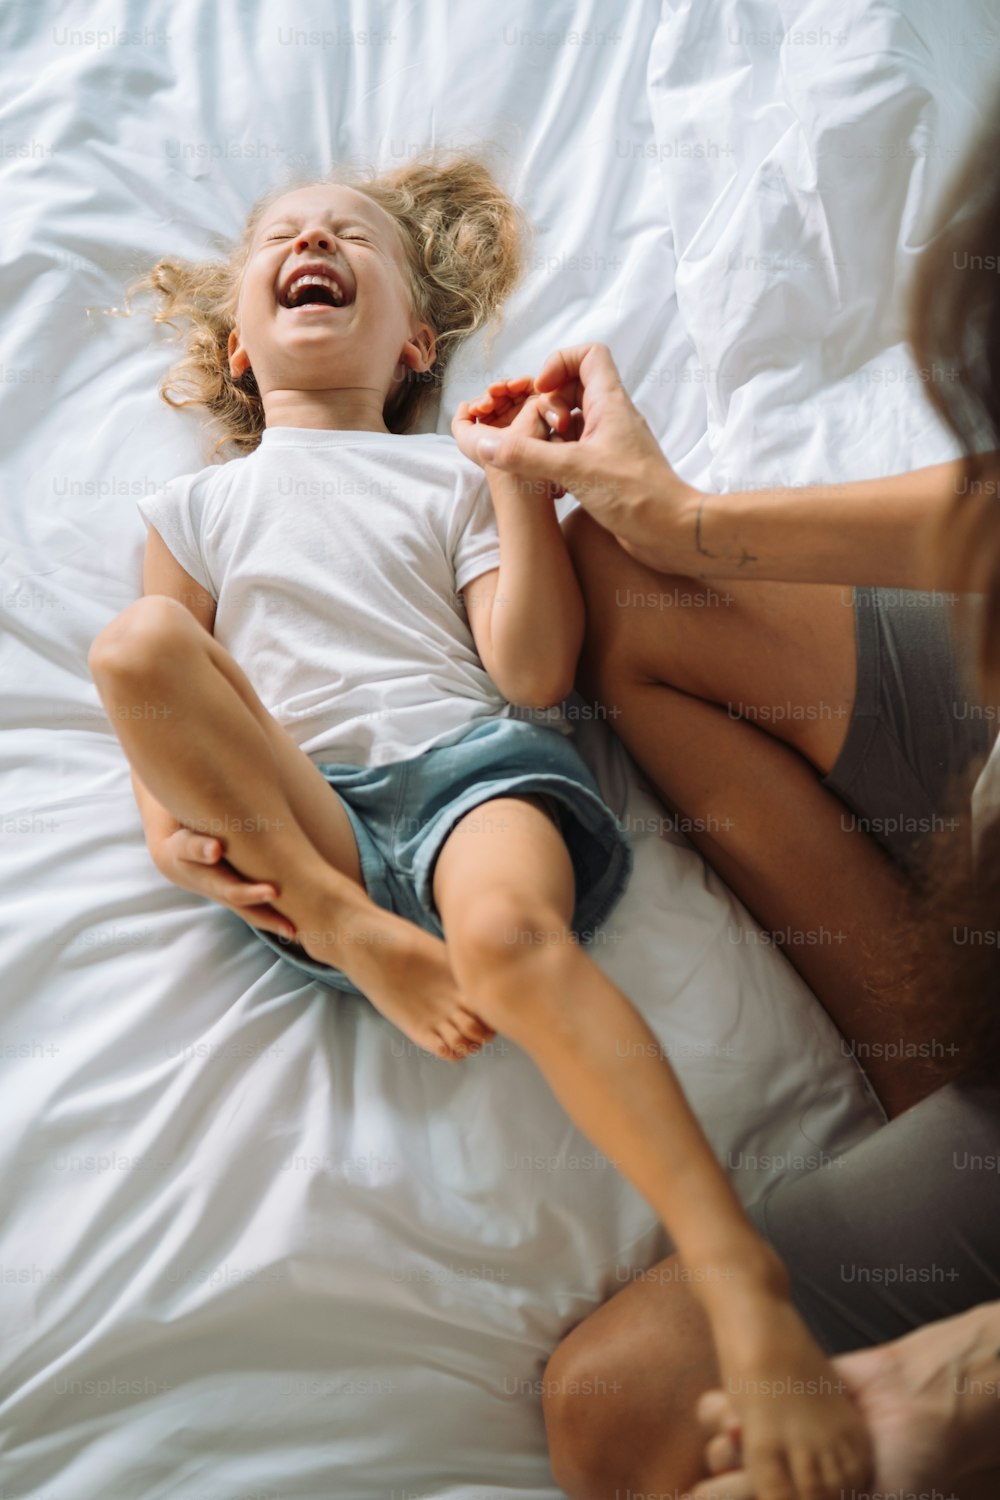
(287, 234)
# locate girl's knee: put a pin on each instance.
(500, 931)
(510, 961)
(144, 635)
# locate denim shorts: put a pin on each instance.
(403, 812)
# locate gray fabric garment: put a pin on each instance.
(900, 1231)
(917, 725)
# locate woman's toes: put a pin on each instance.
(715, 1411)
(722, 1455)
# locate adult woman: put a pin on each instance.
(908, 1198)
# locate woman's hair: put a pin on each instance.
(955, 333)
(948, 961)
(463, 238)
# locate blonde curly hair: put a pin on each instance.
(464, 242)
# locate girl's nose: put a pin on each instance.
(313, 239)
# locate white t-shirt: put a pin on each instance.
(336, 560)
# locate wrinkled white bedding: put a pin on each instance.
(251, 1245)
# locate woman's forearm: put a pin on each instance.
(867, 532)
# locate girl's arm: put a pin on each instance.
(534, 628)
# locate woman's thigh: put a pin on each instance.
(874, 688)
(782, 656)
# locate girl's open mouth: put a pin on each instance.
(312, 289)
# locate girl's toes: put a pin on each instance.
(468, 1037)
(454, 1040)
(474, 1028)
(441, 1049)
(833, 1474)
(809, 1481)
(853, 1464)
(770, 1472)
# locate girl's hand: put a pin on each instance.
(502, 401)
(514, 404)
(195, 863)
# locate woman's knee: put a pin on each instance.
(616, 1404)
(620, 1391)
(587, 1427)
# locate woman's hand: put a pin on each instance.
(609, 459)
(195, 863)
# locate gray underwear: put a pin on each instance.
(905, 1228)
(901, 1230)
(917, 725)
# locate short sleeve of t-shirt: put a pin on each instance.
(477, 544)
(178, 514)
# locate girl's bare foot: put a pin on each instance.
(928, 1400)
(802, 1434)
(404, 971)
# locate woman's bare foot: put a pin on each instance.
(404, 971)
(929, 1401)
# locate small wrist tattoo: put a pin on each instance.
(700, 547)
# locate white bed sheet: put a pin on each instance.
(253, 1245)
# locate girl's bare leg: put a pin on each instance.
(675, 663)
(199, 738)
(503, 884)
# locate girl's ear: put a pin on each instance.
(239, 360)
(420, 348)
